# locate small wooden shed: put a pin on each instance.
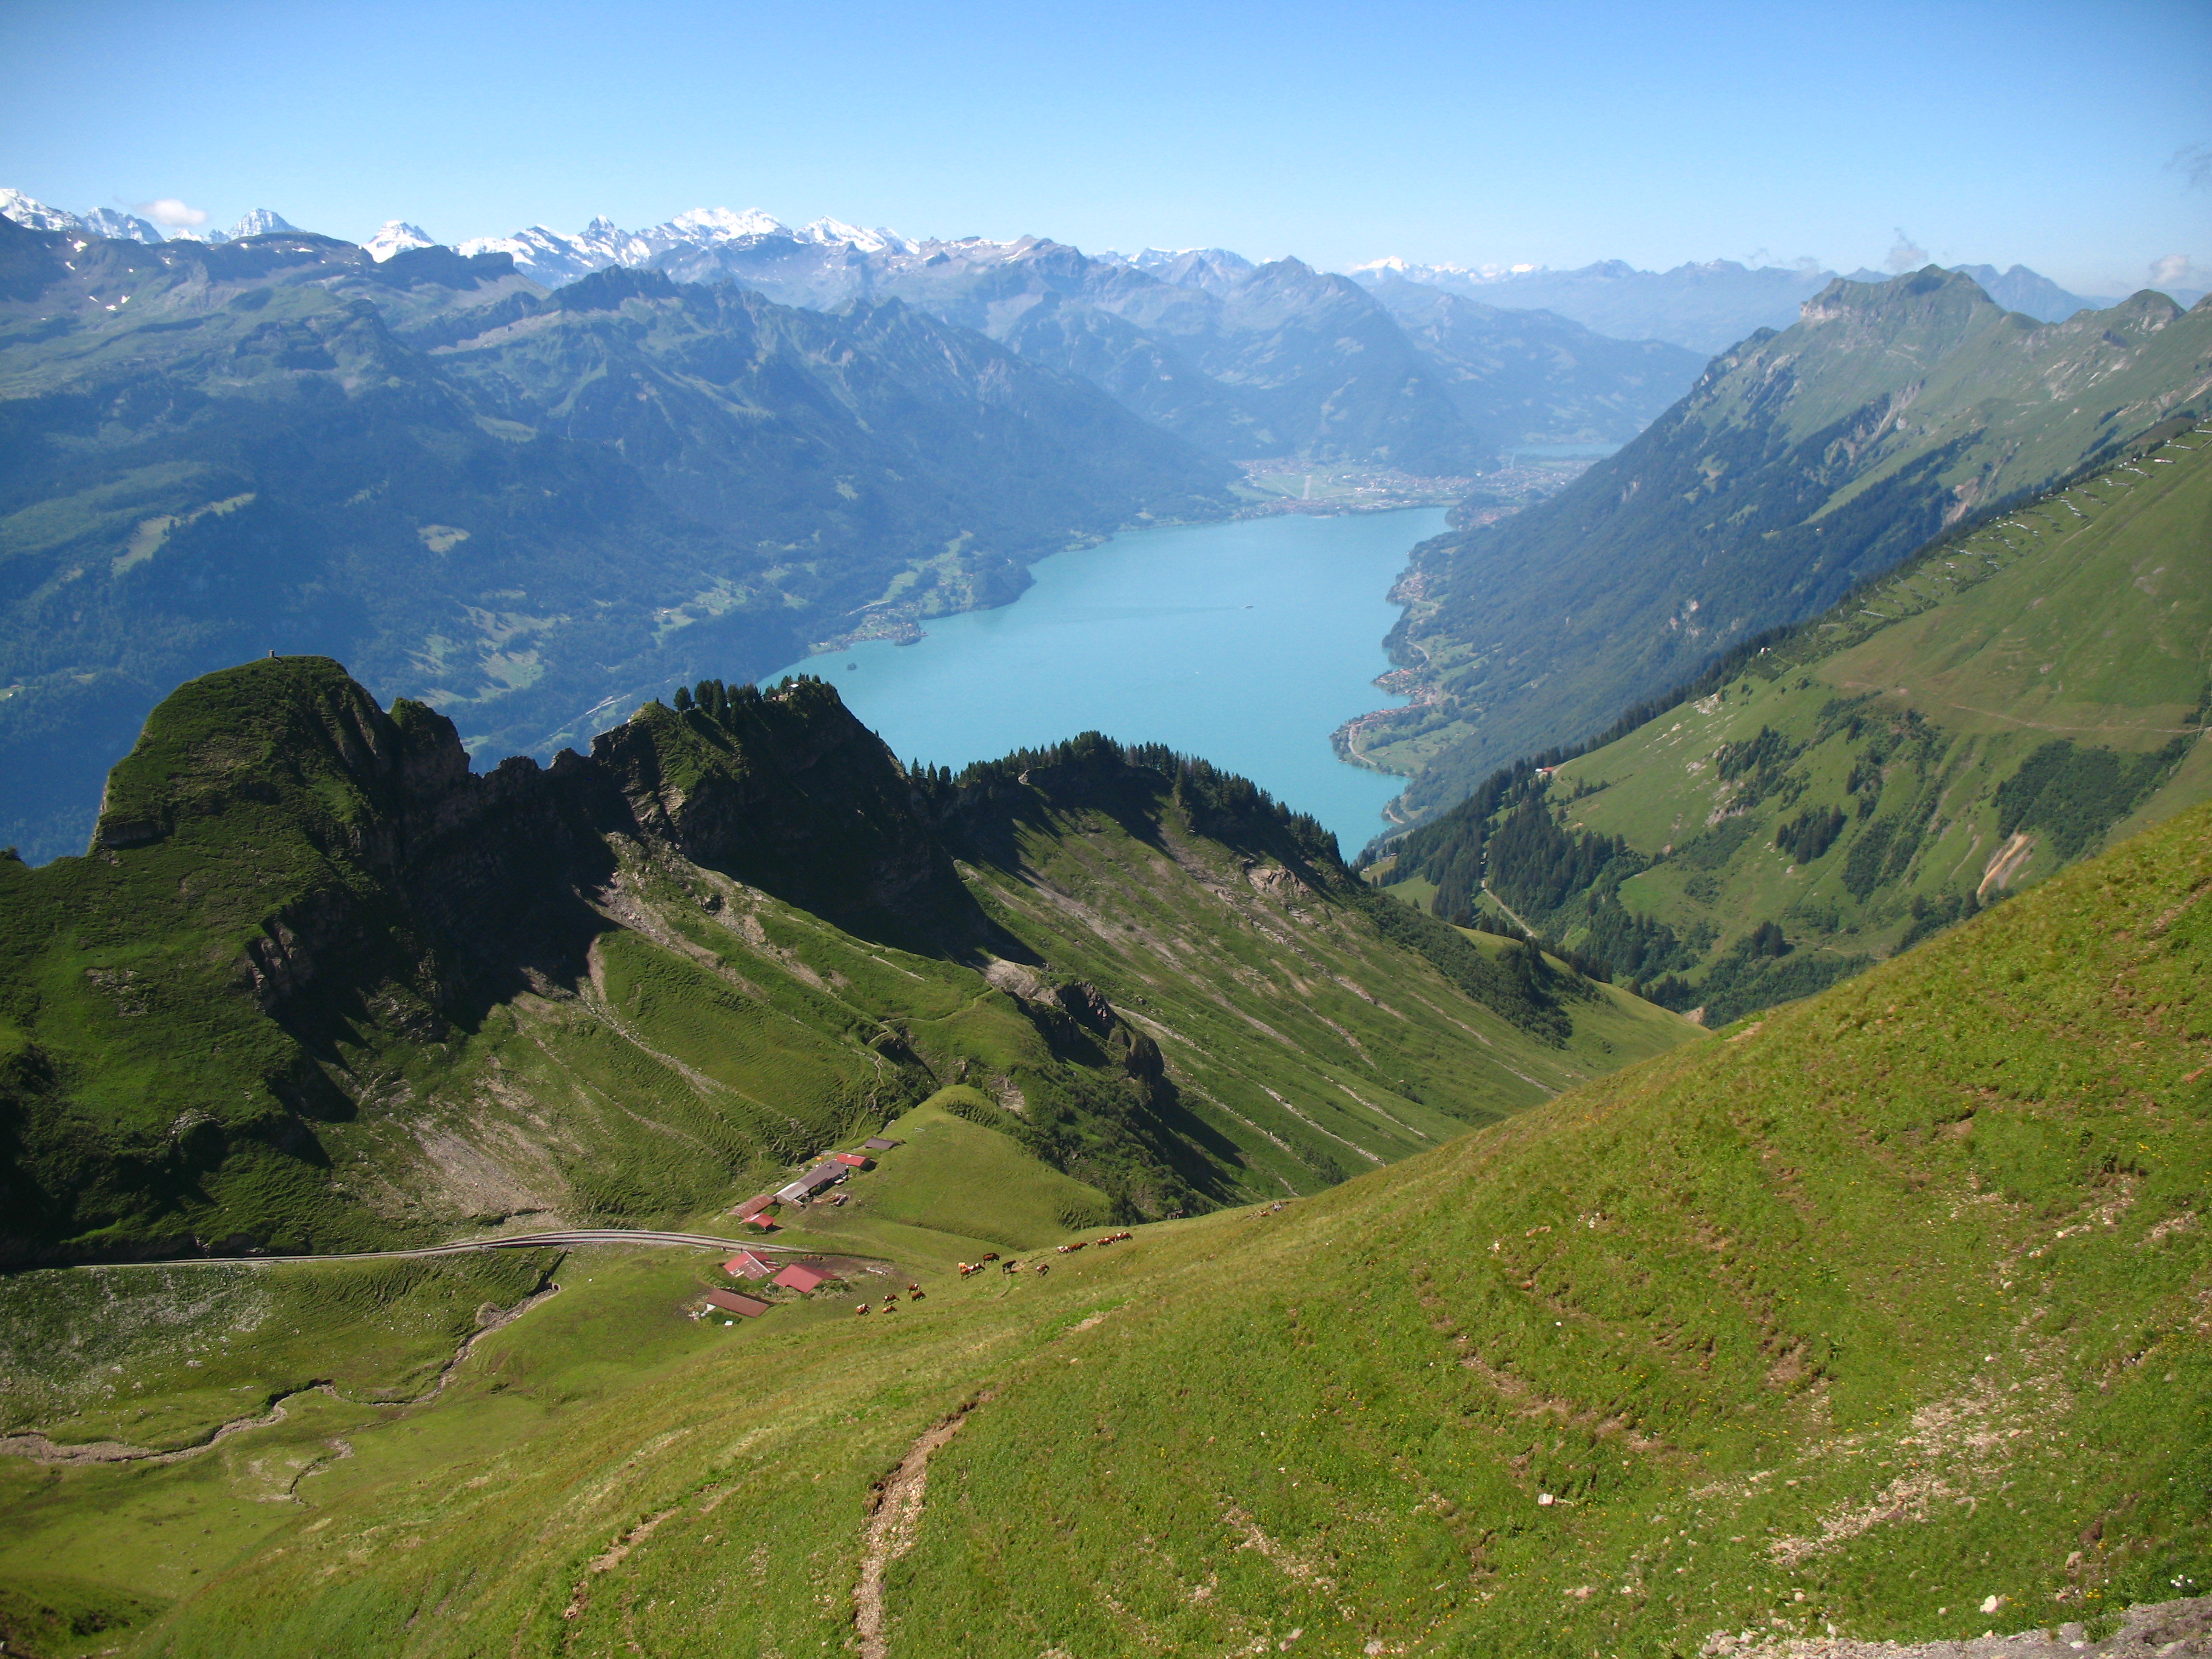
(751, 1266)
(731, 1302)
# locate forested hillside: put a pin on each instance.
(2007, 702)
(1803, 464)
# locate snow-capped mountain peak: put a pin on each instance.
(34, 215)
(722, 225)
(397, 237)
(261, 222)
(120, 226)
(829, 231)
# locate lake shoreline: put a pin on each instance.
(1249, 640)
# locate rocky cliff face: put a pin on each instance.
(328, 897)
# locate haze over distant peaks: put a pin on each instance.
(1706, 306)
(546, 255)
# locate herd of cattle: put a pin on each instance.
(967, 1269)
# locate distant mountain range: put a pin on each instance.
(1707, 308)
(720, 441)
(526, 507)
(129, 227)
(1247, 361)
(549, 502)
(1802, 463)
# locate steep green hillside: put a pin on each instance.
(527, 509)
(1803, 464)
(318, 986)
(1885, 1314)
(2006, 703)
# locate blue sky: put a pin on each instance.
(1545, 133)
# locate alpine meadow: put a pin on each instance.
(688, 968)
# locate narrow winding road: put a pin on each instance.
(504, 1241)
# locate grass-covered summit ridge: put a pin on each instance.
(318, 985)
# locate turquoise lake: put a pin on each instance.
(1247, 643)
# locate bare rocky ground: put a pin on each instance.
(2168, 1630)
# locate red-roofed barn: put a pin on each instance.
(801, 1279)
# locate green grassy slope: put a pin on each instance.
(2006, 703)
(1803, 464)
(1881, 1310)
(321, 987)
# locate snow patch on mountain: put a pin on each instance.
(396, 237)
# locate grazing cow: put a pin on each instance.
(890, 1297)
(1010, 1266)
(863, 1308)
(1043, 1268)
(914, 1287)
(990, 1255)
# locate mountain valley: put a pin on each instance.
(1724, 1176)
